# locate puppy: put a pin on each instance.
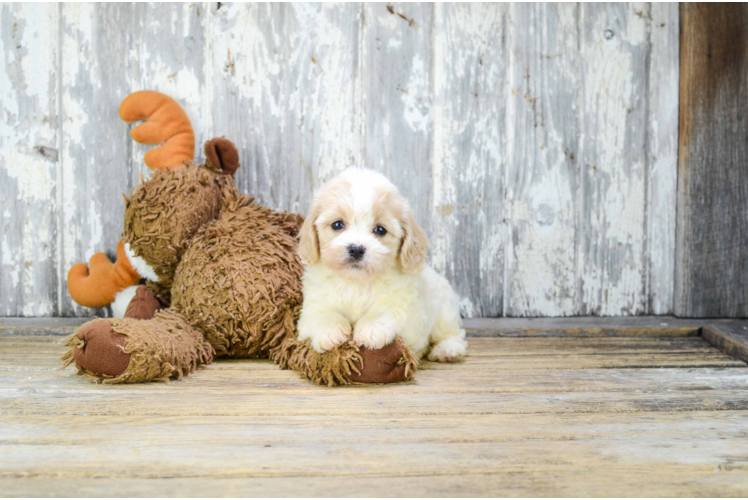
(365, 274)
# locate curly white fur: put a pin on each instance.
(389, 290)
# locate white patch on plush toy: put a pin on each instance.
(122, 300)
(140, 265)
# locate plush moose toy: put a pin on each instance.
(224, 278)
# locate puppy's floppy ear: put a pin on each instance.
(308, 239)
(412, 255)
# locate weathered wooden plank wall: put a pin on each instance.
(537, 142)
(712, 251)
(29, 159)
(712, 254)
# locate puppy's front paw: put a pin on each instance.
(449, 350)
(332, 337)
(373, 335)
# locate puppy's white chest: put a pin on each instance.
(355, 299)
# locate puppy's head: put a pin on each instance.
(359, 225)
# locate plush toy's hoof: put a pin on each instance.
(392, 363)
(347, 363)
(143, 305)
(128, 350)
(99, 349)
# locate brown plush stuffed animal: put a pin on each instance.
(224, 274)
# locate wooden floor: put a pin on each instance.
(661, 414)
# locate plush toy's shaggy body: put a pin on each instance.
(225, 281)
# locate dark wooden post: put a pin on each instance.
(712, 235)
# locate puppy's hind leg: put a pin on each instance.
(448, 339)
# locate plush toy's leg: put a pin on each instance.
(143, 305)
(124, 350)
(137, 302)
(347, 363)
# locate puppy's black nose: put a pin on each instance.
(356, 252)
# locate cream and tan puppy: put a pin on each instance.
(366, 277)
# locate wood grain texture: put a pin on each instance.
(93, 177)
(730, 337)
(612, 160)
(662, 155)
(499, 482)
(535, 142)
(29, 159)
(582, 327)
(470, 57)
(39, 326)
(285, 83)
(712, 255)
(660, 326)
(541, 164)
(521, 417)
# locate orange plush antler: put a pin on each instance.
(99, 287)
(167, 124)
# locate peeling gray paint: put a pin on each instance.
(28, 179)
(535, 141)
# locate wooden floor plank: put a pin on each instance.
(731, 337)
(354, 406)
(491, 327)
(582, 327)
(666, 481)
(481, 347)
(481, 382)
(477, 364)
(371, 458)
(540, 415)
(510, 353)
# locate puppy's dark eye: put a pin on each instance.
(380, 231)
(338, 225)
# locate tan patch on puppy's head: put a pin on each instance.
(412, 255)
(328, 196)
(359, 225)
(413, 242)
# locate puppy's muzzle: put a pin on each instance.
(356, 252)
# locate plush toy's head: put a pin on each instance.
(165, 211)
